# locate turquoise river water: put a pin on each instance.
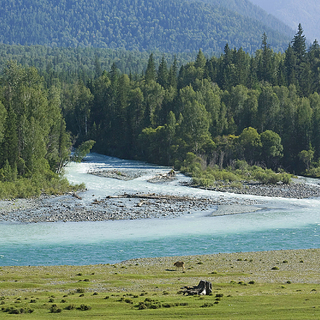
(281, 224)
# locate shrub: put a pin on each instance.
(206, 305)
(286, 178)
(167, 305)
(80, 290)
(54, 309)
(128, 301)
(142, 306)
(12, 310)
(70, 307)
(84, 307)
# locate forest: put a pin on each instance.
(232, 117)
(71, 64)
(137, 25)
(250, 10)
(34, 143)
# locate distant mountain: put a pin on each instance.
(143, 25)
(293, 12)
(248, 9)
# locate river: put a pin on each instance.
(278, 224)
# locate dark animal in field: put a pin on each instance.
(179, 264)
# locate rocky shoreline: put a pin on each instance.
(296, 190)
(71, 207)
(124, 207)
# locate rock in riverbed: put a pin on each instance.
(122, 207)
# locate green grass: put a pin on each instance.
(242, 289)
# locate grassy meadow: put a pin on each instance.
(261, 285)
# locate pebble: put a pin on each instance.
(46, 210)
(68, 208)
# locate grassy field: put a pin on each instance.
(261, 285)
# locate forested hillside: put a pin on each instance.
(139, 25)
(293, 12)
(248, 9)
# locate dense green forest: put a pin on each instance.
(70, 64)
(264, 109)
(137, 25)
(247, 9)
(34, 143)
(210, 114)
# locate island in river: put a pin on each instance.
(70, 207)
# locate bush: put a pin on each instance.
(12, 310)
(206, 305)
(167, 305)
(128, 301)
(142, 306)
(80, 290)
(70, 307)
(54, 309)
(84, 307)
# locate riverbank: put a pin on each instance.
(71, 207)
(122, 207)
(295, 190)
(283, 284)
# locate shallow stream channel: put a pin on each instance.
(112, 221)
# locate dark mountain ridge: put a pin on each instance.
(142, 25)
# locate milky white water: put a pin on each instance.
(281, 224)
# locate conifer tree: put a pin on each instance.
(151, 73)
(162, 77)
(290, 64)
(265, 65)
(173, 73)
(299, 45)
(200, 60)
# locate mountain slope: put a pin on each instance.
(250, 10)
(293, 12)
(165, 25)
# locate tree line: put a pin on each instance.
(264, 109)
(71, 64)
(261, 110)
